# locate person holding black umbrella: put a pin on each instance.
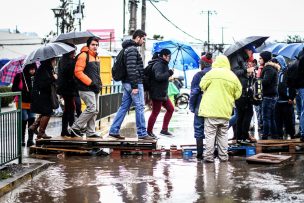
(244, 106)
(42, 93)
(66, 87)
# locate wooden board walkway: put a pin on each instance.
(278, 144)
(264, 158)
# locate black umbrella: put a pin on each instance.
(75, 37)
(255, 41)
(48, 51)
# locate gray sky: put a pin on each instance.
(240, 18)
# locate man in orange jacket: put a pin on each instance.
(87, 73)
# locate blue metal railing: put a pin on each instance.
(10, 131)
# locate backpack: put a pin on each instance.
(148, 73)
(293, 75)
(119, 69)
(254, 91)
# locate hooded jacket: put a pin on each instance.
(196, 93)
(285, 93)
(160, 80)
(269, 78)
(134, 64)
(221, 88)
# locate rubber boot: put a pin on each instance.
(30, 141)
(43, 124)
(23, 132)
(33, 128)
(199, 148)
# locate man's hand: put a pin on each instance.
(55, 76)
(290, 101)
(134, 91)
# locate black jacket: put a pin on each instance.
(66, 84)
(270, 79)
(239, 68)
(134, 64)
(285, 92)
(41, 95)
(160, 80)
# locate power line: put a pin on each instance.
(174, 24)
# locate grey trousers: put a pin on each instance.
(216, 130)
(88, 116)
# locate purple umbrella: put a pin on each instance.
(10, 69)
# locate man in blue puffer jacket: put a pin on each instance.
(195, 100)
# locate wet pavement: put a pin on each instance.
(161, 178)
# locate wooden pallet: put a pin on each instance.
(291, 144)
(264, 158)
(107, 142)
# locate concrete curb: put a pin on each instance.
(9, 184)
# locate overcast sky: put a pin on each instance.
(240, 18)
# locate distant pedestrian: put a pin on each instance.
(221, 88)
(87, 72)
(159, 92)
(66, 87)
(133, 88)
(24, 82)
(41, 98)
(195, 100)
(284, 104)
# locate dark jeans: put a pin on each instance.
(68, 116)
(284, 118)
(198, 127)
(156, 106)
(268, 109)
(244, 116)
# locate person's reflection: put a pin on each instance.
(199, 182)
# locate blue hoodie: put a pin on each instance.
(285, 93)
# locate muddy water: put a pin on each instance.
(162, 179)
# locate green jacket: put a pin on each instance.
(221, 88)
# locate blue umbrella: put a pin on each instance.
(183, 57)
(291, 51)
(274, 48)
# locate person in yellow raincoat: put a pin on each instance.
(221, 88)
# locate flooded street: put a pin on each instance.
(161, 178)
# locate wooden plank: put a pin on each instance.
(267, 158)
(278, 141)
(59, 149)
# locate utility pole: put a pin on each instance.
(222, 35)
(208, 14)
(124, 18)
(143, 27)
(133, 16)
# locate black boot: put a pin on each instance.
(30, 141)
(200, 148)
(64, 124)
(23, 132)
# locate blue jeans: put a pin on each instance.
(268, 109)
(139, 103)
(233, 118)
(198, 127)
(301, 95)
(26, 114)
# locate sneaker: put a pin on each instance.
(151, 134)
(117, 136)
(94, 135)
(145, 137)
(252, 139)
(163, 132)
